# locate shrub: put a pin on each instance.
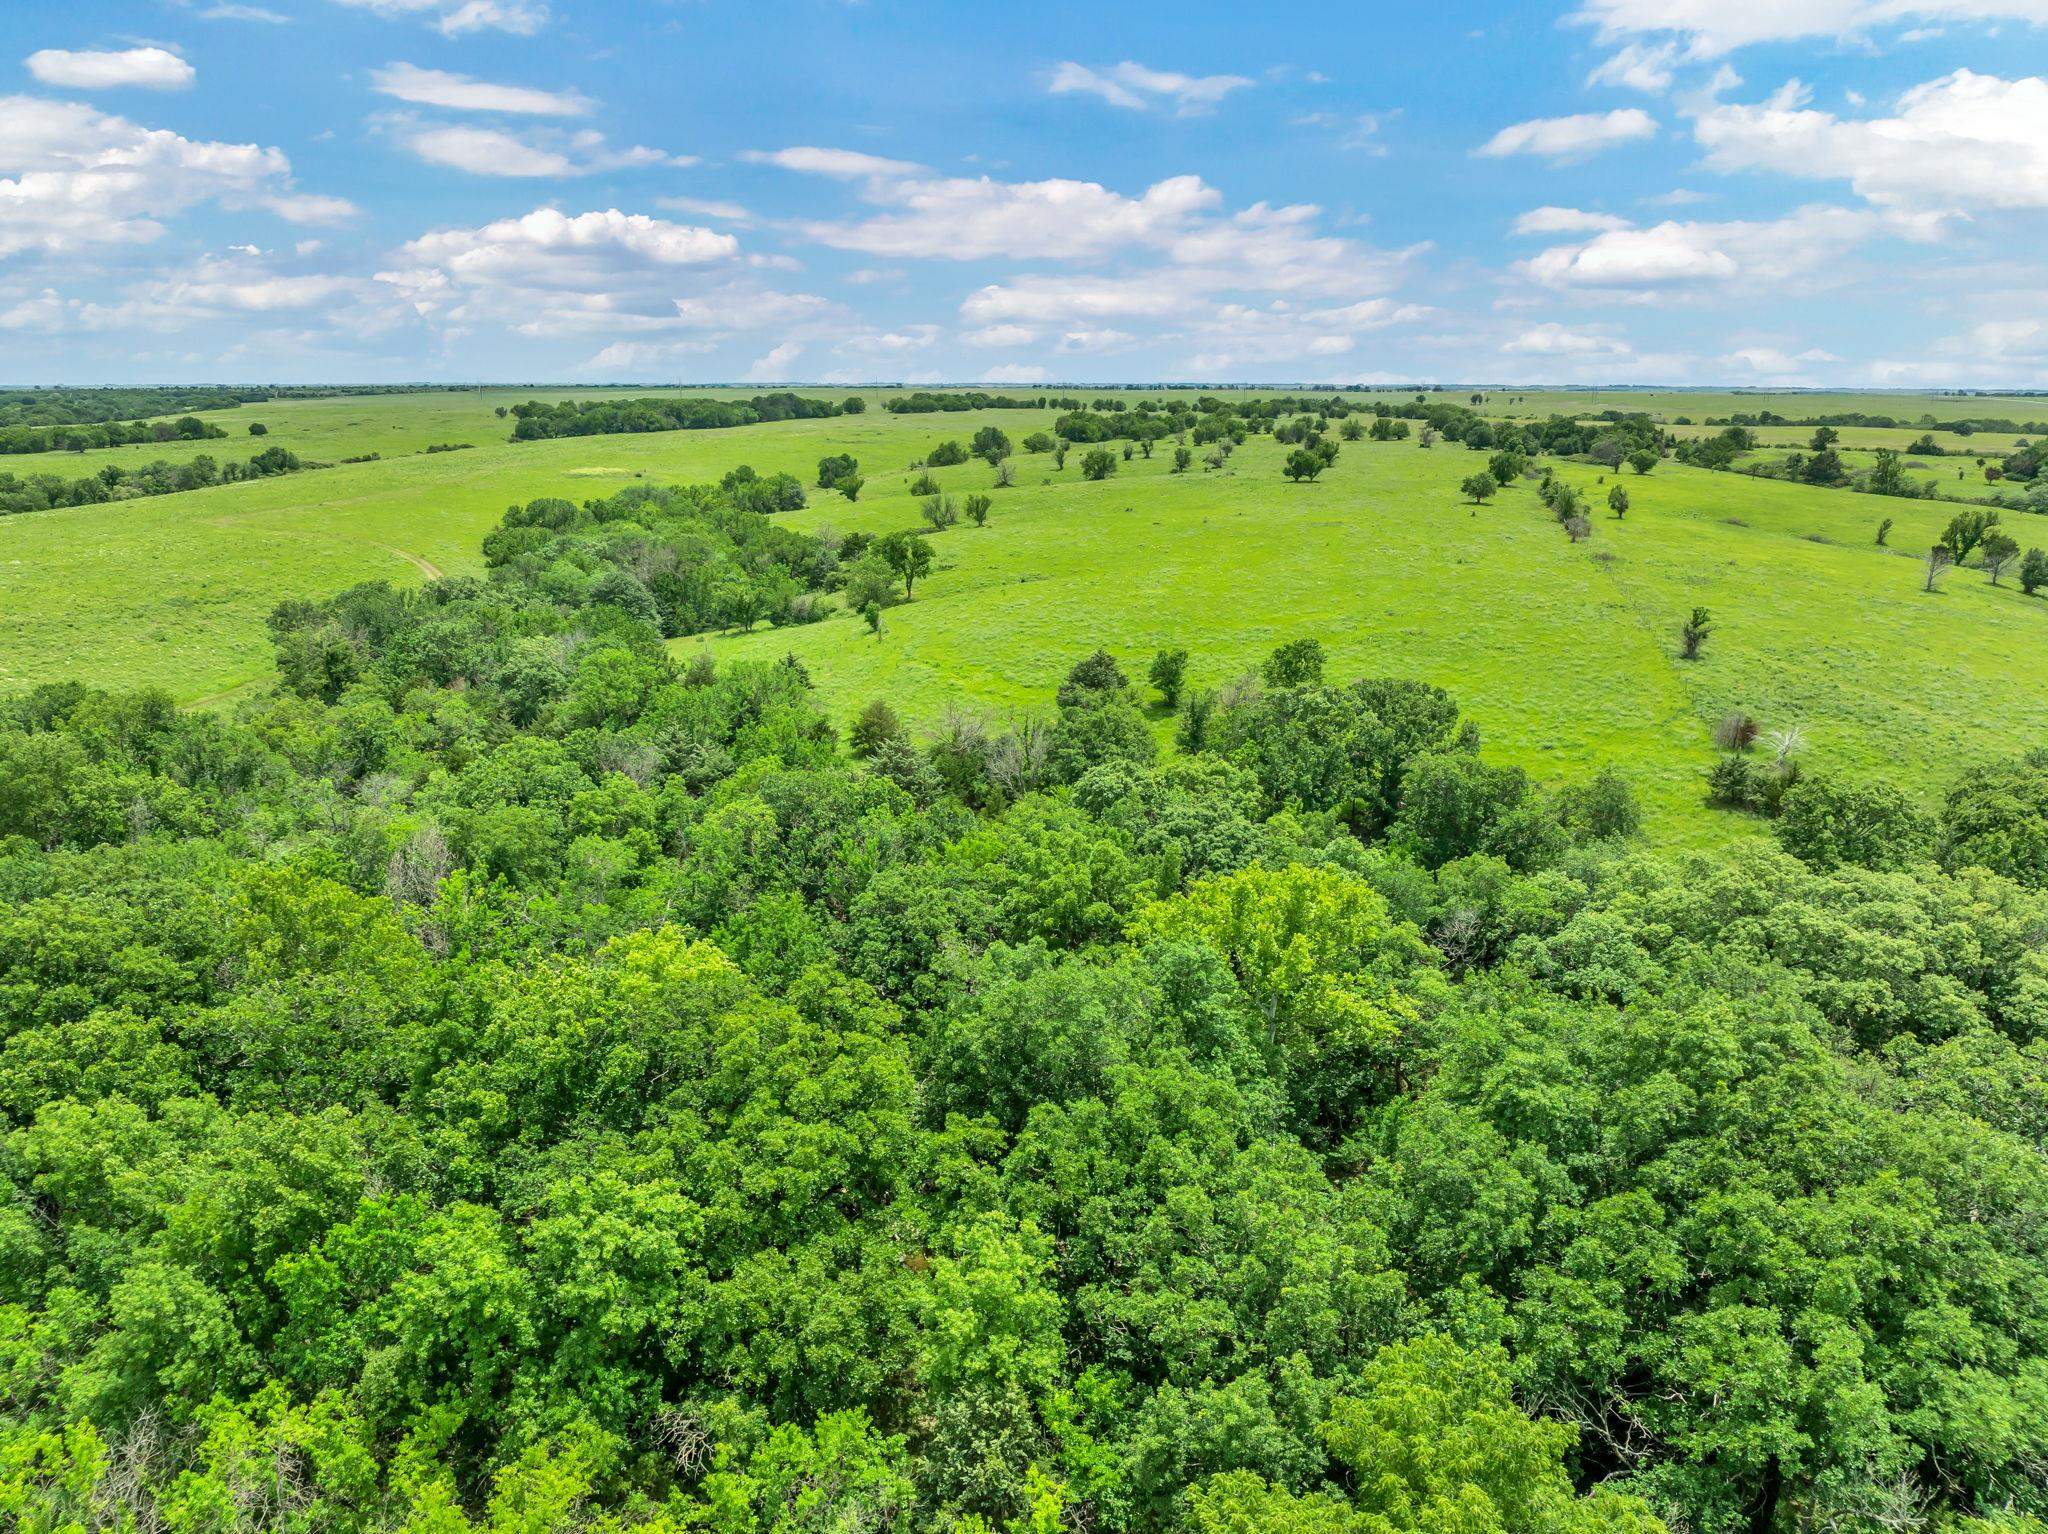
(1692, 638)
(1168, 671)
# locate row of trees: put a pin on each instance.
(540, 419)
(40, 492)
(98, 434)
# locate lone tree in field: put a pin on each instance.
(1997, 552)
(1506, 466)
(1939, 558)
(909, 556)
(1965, 530)
(1617, 502)
(1643, 459)
(1888, 475)
(990, 443)
(1478, 488)
(2033, 571)
(1182, 457)
(1578, 528)
(1304, 463)
(978, 509)
(1168, 673)
(940, 511)
(1098, 463)
(1693, 637)
(1884, 531)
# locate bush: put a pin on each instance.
(1098, 463)
(1604, 809)
(1168, 671)
(945, 455)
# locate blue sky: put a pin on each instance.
(1751, 192)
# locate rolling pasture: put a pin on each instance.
(1564, 653)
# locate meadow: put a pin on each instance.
(1564, 653)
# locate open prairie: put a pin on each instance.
(1565, 653)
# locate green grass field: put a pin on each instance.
(1564, 654)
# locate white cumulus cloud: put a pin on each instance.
(156, 69)
(454, 18)
(773, 365)
(1963, 141)
(1679, 254)
(461, 93)
(494, 152)
(1135, 87)
(1714, 27)
(72, 177)
(1568, 138)
(1552, 220)
(843, 164)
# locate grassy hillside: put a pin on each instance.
(1566, 654)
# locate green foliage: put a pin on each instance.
(1167, 673)
(512, 1077)
(1827, 823)
(1996, 817)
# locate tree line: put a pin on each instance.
(539, 419)
(97, 434)
(41, 492)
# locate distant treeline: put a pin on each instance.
(40, 492)
(84, 407)
(925, 403)
(79, 407)
(76, 439)
(606, 417)
(1961, 428)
